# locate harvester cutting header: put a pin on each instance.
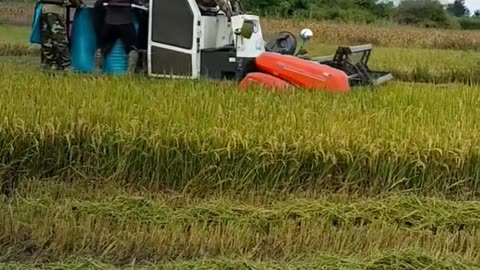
(217, 39)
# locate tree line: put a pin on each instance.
(423, 13)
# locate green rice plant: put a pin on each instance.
(174, 174)
(205, 136)
(399, 137)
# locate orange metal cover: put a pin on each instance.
(265, 80)
(303, 73)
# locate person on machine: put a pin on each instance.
(114, 21)
(229, 7)
(55, 49)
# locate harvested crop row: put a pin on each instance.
(135, 227)
(381, 261)
(402, 211)
(11, 49)
(418, 65)
(203, 136)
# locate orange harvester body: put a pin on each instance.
(301, 73)
(265, 80)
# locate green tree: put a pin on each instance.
(425, 13)
(341, 10)
(458, 8)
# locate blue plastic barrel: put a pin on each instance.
(84, 41)
(84, 46)
(116, 62)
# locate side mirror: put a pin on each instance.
(247, 29)
(306, 34)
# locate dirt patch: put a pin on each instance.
(19, 14)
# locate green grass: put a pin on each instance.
(15, 34)
(203, 136)
(16, 41)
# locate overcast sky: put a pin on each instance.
(471, 4)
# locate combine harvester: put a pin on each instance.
(188, 39)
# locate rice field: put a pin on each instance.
(406, 64)
(141, 173)
(326, 32)
(386, 36)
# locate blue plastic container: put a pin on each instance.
(36, 34)
(84, 46)
(116, 62)
(83, 41)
